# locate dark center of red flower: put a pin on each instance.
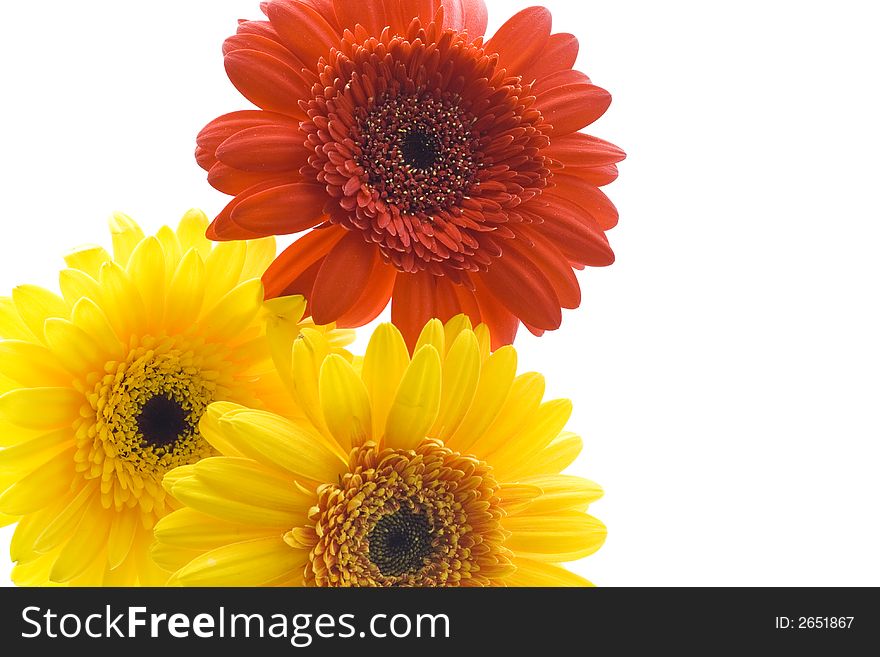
(418, 151)
(420, 148)
(162, 421)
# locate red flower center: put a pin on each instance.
(427, 146)
(418, 153)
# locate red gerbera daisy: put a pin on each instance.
(438, 170)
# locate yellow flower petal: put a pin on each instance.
(31, 364)
(171, 250)
(66, 520)
(526, 393)
(235, 311)
(223, 270)
(555, 458)
(278, 442)
(171, 557)
(556, 537)
(75, 349)
(250, 482)
(41, 408)
(282, 317)
(344, 402)
(126, 236)
(496, 378)
(179, 473)
(516, 497)
(89, 317)
(87, 542)
(26, 456)
(209, 428)
(249, 563)
(432, 334)
(33, 573)
(384, 364)
(260, 254)
(309, 352)
(544, 425)
(417, 401)
(561, 493)
(76, 285)
(146, 269)
(194, 493)
(35, 305)
(192, 530)
(191, 232)
(122, 533)
(483, 337)
(536, 574)
(461, 375)
(87, 259)
(455, 326)
(11, 324)
(183, 304)
(41, 487)
(120, 300)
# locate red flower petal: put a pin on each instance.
(412, 305)
(559, 54)
(374, 298)
(357, 12)
(598, 176)
(223, 127)
(551, 262)
(573, 231)
(588, 197)
(580, 150)
(342, 278)
(263, 44)
(308, 250)
(266, 81)
(559, 79)
(265, 148)
(303, 30)
(400, 13)
(223, 228)
(281, 210)
(260, 28)
(502, 323)
(469, 16)
(569, 108)
(521, 39)
(446, 303)
(232, 181)
(520, 285)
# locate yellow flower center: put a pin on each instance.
(143, 414)
(424, 517)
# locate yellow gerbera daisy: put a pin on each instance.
(438, 470)
(103, 388)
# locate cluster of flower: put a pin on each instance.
(187, 412)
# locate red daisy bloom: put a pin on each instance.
(436, 169)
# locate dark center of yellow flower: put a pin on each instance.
(162, 421)
(400, 542)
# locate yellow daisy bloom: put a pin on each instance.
(438, 470)
(102, 389)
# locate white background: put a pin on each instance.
(724, 370)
